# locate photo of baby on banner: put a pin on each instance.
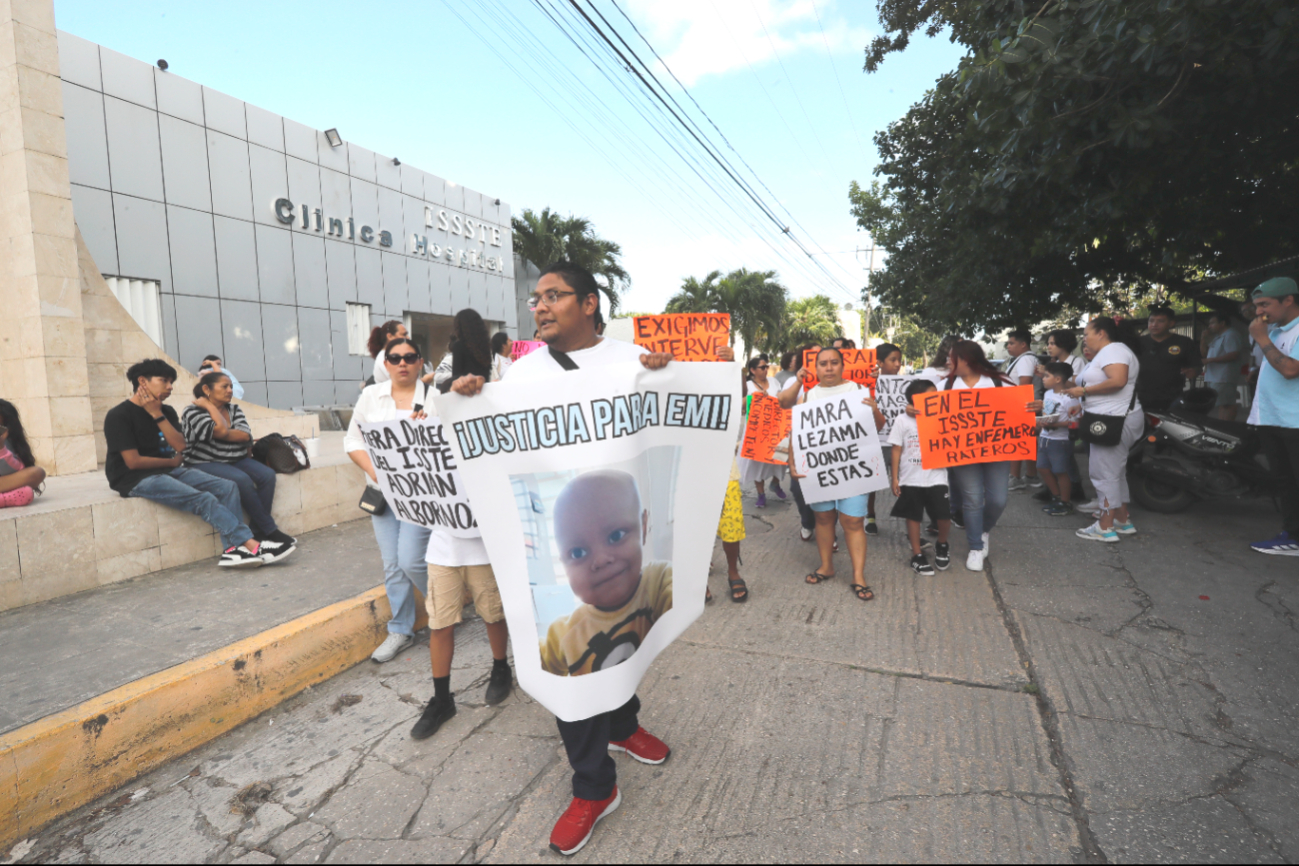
(597, 497)
(598, 544)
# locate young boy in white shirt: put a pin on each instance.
(918, 489)
(1054, 448)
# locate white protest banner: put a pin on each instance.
(891, 395)
(598, 493)
(837, 448)
(417, 473)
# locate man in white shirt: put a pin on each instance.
(566, 309)
(1020, 370)
(1222, 363)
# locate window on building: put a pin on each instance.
(141, 300)
(358, 329)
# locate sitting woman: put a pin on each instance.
(218, 441)
(20, 477)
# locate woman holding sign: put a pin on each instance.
(402, 545)
(755, 471)
(983, 487)
(1112, 421)
(851, 512)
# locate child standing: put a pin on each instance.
(918, 489)
(1054, 448)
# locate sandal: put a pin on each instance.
(708, 595)
(738, 586)
(815, 577)
(862, 592)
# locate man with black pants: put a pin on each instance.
(1276, 404)
(566, 308)
(1168, 360)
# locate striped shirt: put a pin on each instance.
(201, 446)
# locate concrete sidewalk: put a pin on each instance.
(1078, 702)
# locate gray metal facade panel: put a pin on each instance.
(360, 163)
(304, 187)
(254, 392)
(369, 278)
(390, 217)
(236, 259)
(282, 344)
(439, 284)
(231, 175)
(275, 265)
(318, 393)
(79, 61)
(459, 289)
(365, 205)
(184, 163)
(141, 240)
(179, 97)
(198, 324)
(313, 333)
(412, 181)
(224, 113)
(300, 141)
(127, 78)
(330, 156)
(134, 158)
(417, 285)
(396, 298)
(193, 252)
(283, 395)
(170, 344)
(265, 128)
(385, 173)
(93, 209)
(335, 194)
(270, 181)
(340, 272)
(309, 270)
(87, 136)
(241, 329)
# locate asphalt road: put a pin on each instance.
(1077, 702)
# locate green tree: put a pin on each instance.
(755, 301)
(908, 333)
(545, 238)
(1083, 150)
(810, 320)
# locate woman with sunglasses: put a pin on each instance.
(402, 545)
(756, 472)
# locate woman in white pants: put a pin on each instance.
(1108, 387)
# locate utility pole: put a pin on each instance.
(866, 290)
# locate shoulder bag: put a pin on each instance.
(284, 454)
(1106, 430)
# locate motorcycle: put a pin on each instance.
(1186, 455)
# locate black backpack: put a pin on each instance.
(284, 454)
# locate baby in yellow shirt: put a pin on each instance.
(600, 528)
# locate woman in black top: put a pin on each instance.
(218, 439)
(471, 348)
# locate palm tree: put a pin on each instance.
(810, 320)
(547, 237)
(754, 300)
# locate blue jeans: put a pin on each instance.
(403, 547)
(256, 483)
(216, 500)
(983, 491)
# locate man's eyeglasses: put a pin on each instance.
(408, 358)
(546, 299)
(762, 367)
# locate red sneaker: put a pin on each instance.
(574, 828)
(644, 747)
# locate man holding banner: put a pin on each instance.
(607, 555)
(838, 460)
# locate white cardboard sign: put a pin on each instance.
(837, 448)
(598, 493)
(416, 468)
(891, 395)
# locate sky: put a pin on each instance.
(493, 95)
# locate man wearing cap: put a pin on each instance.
(1276, 404)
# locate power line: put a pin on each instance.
(829, 56)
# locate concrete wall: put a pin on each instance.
(175, 182)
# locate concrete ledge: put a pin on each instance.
(64, 761)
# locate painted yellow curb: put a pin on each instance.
(62, 762)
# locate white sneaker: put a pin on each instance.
(1035, 482)
(987, 537)
(805, 534)
(388, 650)
(1095, 533)
(274, 551)
(974, 562)
(1091, 505)
(239, 557)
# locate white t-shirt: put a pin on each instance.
(906, 434)
(752, 387)
(535, 365)
(1118, 402)
(958, 384)
(1024, 365)
(820, 392)
(1079, 363)
(380, 371)
(937, 375)
(1068, 408)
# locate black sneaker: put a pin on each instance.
(499, 686)
(920, 565)
(871, 528)
(435, 715)
(273, 551)
(942, 555)
(1043, 496)
(281, 538)
(240, 557)
(958, 519)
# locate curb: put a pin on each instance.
(53, 766)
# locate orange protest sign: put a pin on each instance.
(858, 366)
(768, 426)
(976, 425)
(684, 336)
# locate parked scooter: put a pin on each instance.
(1187, 455)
